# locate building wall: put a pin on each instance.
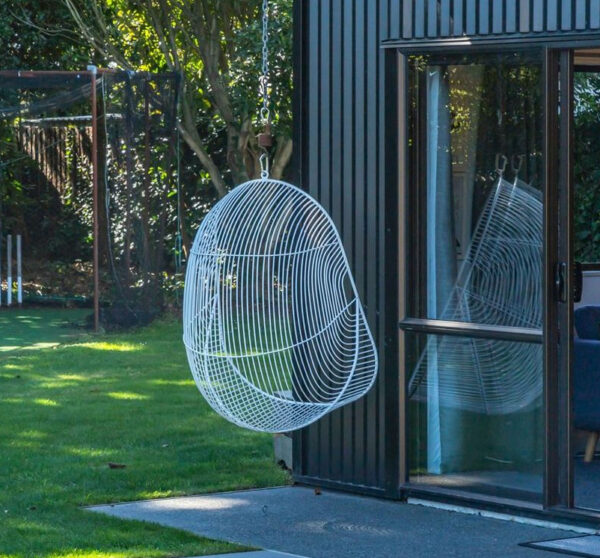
(420, 19)
(345, 156)
(342, 164)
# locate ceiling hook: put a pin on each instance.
(501, 163)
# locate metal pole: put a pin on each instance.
(19, 276)
(93, 71)
(8, 269)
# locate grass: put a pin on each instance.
(67, 411)
(34, 329)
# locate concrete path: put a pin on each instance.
(258, 554)
(296, 521)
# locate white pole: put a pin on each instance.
(19, 275)
(8, 269)
(0, 263)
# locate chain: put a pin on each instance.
(265, 113)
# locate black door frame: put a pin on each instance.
(558, 316)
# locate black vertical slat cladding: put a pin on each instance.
(595, 14)
(311, 435)
(338, 105)
(371, 257)
(360, 88)
(445, 18)
(511, 16)
(567, 15)
(552, 15)
(538, 15)
(387, 162)
(498, 17)
(580, 14)
(300, 153)
(394, 16)
(419, 13)
(345, 132)
(327, 21)
(388, 297)
(347, 474)
(325, 103)
(458, 18)
(407, 20)
(471, 17)
(524, 16)
(432, 18)
(484, 17)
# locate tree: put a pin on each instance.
(216, 46)
(34, 36)
(586, 145)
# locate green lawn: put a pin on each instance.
(34, 329)
(67, 411)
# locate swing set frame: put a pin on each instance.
(30, 79)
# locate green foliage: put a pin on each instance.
(36, 34)
(51, 226)
(66, 412)
(587, 167)
(215, 45)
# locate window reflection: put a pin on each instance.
(477, 138)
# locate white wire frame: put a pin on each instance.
(499, 283)
(275, 333)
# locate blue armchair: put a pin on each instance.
(586, 372)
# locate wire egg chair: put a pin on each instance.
(275, 333)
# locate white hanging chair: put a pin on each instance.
(275, 333)
(499, 283)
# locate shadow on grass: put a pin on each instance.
(36, 329)
(66, 413)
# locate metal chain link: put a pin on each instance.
(265, 113)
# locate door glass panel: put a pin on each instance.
(586, 169)
(475, 415)
(481, 229)
(475, 404)
(586, 244)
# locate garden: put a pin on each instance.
(111, 415)
(88, 419)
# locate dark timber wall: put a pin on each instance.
(345, 156)
(419, 19)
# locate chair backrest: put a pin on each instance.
(587, 322)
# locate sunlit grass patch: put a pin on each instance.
(13, 366)
(45, 402)
(73, 377)
(127, 395)
(182, 383)
(111, 346)
(66, 412)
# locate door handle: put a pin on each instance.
(577, 281)
(560, 281)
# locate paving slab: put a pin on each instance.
(258, 554)
(330, 525)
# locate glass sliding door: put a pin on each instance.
(584, 304)
(473, 331)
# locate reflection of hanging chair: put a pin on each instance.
(275, 332)
(499, 283)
